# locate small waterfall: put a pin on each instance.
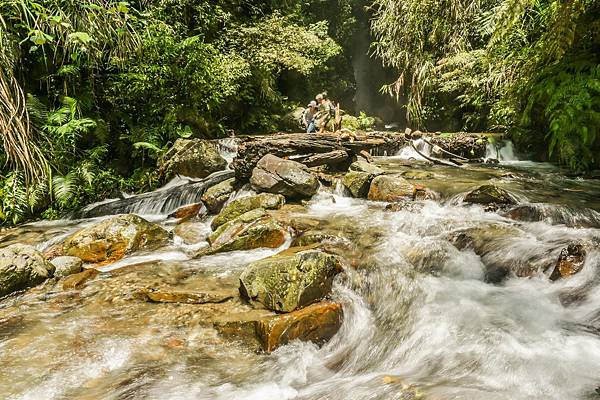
(160, 202)
(228, 148)
(409, 153)
(503, 152)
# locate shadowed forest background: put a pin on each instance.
(93, 92)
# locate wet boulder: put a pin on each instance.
(490, 194)
(195, 158)
(66, 266)
(188, 212)
(570, 262)
(267, 201)
(316, 323)
(22, 267)
(358, 183)
(217, 195)
(289, 178)
(252, 230)
(392, 188)
(113, 238)
(290, 280)
(362, 165)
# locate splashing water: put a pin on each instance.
(419, 317)
(409, 153)
(504, 152)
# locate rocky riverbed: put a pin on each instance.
(317, 267)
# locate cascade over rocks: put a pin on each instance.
(489, 242)
(290, 280)
(267, 201)
(22, 267)
(215, 196)
(113, 238)
(289, 178)
(252, 230)
(195, 158)
(489, 194)
(162, 201)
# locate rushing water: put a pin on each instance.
(420, 319)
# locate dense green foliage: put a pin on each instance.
(93, 92)
(523, 65)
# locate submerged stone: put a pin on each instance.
(316, 323)
(417, 175)
(488, 194)
(266, 201)
(113, 238)
(170, 295)
(77, 280)
(289, 281)
(22, 267)
(289, 178)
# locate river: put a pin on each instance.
(421, 319)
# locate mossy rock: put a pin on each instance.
(289, 281)
(252, 230)
(113, 238)
(242, 205)
(358, 183)
(217, 195)
(21, 267)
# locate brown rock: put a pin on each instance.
(113, 238)
(391, 188)
(187, 212)
(77, 280)
(316, 323)
(570, 262)
(289, 178)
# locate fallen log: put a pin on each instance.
(294, 146)
(331, 158)
(435, 160)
